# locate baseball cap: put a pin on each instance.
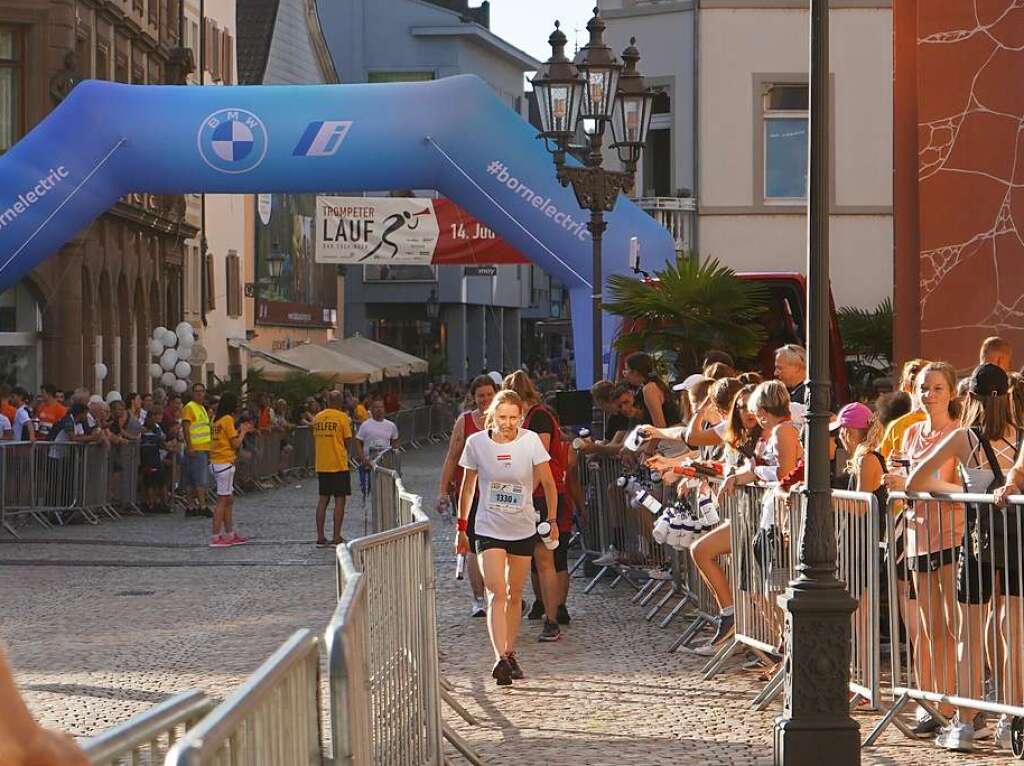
(496, 377)
(988, 380)
(689, 383)
(113, 396)
(95, 399)
(853, 415)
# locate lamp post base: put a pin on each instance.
(815, 723)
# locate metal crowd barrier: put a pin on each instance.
(273, 718)
(147, 737)
(398, 608)
(964, 559)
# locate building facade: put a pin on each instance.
(480, 318)
(99, 297)
(281, 43)
(747, 63)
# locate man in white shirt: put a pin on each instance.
(22, 426)
(375, 434)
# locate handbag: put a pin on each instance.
(990, 537)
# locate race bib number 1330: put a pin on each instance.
(505, 497)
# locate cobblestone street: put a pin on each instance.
(102, 622)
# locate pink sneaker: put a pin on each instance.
(220, 541)
(236, 539)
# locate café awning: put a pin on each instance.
(316, 359)
(394, 362)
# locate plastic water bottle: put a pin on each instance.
(577, 443)
(544, 530)
(460, 566)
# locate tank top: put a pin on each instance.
(669, 407)
(978, 479)
(932, 526)
(469, 428)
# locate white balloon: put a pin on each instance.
(180, 386)
(184, 353)
(168, 378)
(168, 359)
(183, 369)
(170, 339)
(156, 347)
(101, 371)
(188, 339)
(158, 333)
(182, 326)
(155, 370)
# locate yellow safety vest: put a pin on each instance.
(199, 426)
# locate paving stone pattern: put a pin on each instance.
(103, 622)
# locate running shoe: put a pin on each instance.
(236, 539)
(609, 559)
(537, 611)
(551, 632)
(220, 541)
(513, 663)
(726, 628)
(924, 725)
(479, 609)
(563, 615)
(1004, 737)
(958, 737)
(322, 543)
(338, 541)
(502, 672)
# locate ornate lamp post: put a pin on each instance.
(275, 262)
(591, 93)
(815, 717)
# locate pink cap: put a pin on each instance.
(854, 415)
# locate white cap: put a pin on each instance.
(496, 377)
(689, 383)
(113, 396)
(95, 399)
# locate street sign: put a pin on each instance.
(481, 271)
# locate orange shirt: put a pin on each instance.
(49, 415)
(264, 419)
(8, 410)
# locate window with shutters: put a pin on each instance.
(207, 44)
(228, 66)
(121, 55)
(12, 86)
(103, 52)
(215, 53)
(234, 287)
(211, 285)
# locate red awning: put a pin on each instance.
(464, 241)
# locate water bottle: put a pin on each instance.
(577, 443)
(460, 566)
(544, 530)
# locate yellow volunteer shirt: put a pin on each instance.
(893, 437)
(331, 428)
(224, 431)
(361, 413)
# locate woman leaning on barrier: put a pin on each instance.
(505, 462)
(986, 448)
(930, 534)
(653, 397)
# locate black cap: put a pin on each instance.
(988, 380)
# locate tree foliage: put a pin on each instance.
(690, 308)
(867, 340)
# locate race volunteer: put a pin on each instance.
(223, 455)
(332, 433)
(504, 462)
(198, 432)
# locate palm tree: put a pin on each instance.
(867, 339)
(690, 308)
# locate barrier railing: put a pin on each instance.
(273, 718)
(956, 573)
(147, 737)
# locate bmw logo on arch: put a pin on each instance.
(232, 141)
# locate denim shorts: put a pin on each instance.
(197, 469)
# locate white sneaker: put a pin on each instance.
(958, 737)
(479, 608)
(1003, 736)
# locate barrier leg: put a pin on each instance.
(578, 563)
(455, 705)
(889, 717)
(647, 592)
(462, 746)
(593, 583)
(686, 599)
(712, 668)
(657, 607)
(771, 691)
(691, 631)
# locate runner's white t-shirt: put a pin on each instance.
(377, 435)
(505, 477)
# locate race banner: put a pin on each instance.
(375, 230)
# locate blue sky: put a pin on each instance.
(527, 23)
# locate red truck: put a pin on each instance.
(787, 310)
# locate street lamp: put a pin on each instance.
(588, 92)
(275, 262)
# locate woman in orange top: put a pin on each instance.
(223, 454)
(933, 533)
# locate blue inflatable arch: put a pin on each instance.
(453, 135)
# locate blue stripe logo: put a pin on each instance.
(322, 138)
